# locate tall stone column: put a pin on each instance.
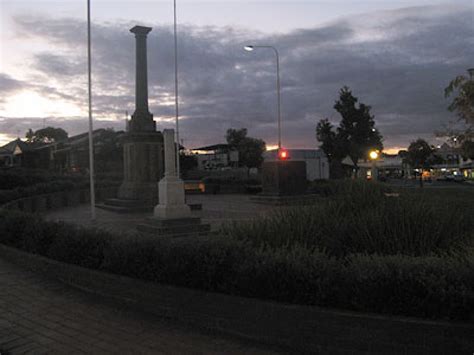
(142, 119)
(142, 144)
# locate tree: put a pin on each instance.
(29, 135)
(332, 146)
(108, 151)
(463, 103)
(356, 134)
(250, 149)
(467, 149)
(46, 135)
(421, 155)
(461, 133)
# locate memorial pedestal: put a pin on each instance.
(283, 182)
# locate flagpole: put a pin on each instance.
(176, 89)
(91, 145)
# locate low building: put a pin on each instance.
(70, 155)
(387, 166)
(216, 157)
(18, 153)
(317, 165)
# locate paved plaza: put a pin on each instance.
(43, 316)
(216, 210)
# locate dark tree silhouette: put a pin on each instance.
(420, 155)
(250, 149)
(463, 102)
(46, 135)
(356, 134)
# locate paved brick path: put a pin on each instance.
(39, 316)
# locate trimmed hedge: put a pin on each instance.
(50, 187)
(362, 219)
(428, 286)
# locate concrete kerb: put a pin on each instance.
(299, 328)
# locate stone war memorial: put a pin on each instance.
(142, 144)
(147, 153)
(172, 216)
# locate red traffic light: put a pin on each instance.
(283, 154)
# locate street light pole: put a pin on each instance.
(176, 89)
(91, 145)
(278, 87)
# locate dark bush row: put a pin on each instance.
(429, 286)
(50, 187)
(362, 219)
(232, 180)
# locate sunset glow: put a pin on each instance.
(30, 104)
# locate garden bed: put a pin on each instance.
(358, 250)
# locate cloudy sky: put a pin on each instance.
(396, 56)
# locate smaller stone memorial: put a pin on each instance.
(172, 216)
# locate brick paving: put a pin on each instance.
(216, 210)
(43, 316)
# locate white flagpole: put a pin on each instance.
(91, 145)
(176, 89)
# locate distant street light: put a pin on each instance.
(373, 155)
(250, 49)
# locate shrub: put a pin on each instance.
(400, 256)
(365, 221)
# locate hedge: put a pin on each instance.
(425, 286)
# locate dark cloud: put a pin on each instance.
(9, 86)
(398, 62)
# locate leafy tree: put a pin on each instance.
(108, 151)
(356, 134)
(250, 149)
(332, 146)
(420, 155)
(462, 87)
(46, 135)
(29, 135)
(463, 102)
(467, 149)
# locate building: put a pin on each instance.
(66, 156)
(18, 153)
(387, 166)
(317, 165)
(216, 157)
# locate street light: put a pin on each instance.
(373, 155)
(250, 48)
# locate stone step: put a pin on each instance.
(164, 223)
(125, 203)
(175, 231)
(122, 209)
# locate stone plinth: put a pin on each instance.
(284, 178)
(143, 166)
